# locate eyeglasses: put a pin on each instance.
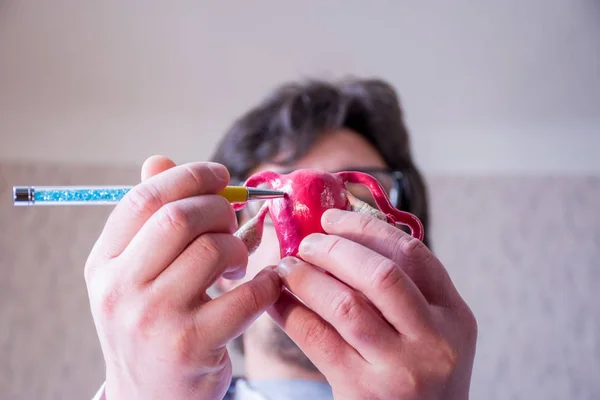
(393, 182)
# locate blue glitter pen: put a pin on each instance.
(67, 195)
(107, 195)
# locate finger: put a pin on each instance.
(199, 266)
(230, 314)
(426, 271)
(169, 231)
(343, 307)
(151, 167)
(144, 199)
(155, 165)
(319, 341)
(390, 290)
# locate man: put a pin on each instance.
(386, 322)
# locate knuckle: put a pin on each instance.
(143, 199)
(367, 223)
(108, 302)
(189, 344)
(180, 345)
(195, 175)
(105, 295)
(413, 382)
(345, 305)
(312, 332)
(147, 314)
(209, 247)
(132, 324)
(249, 300)
(333, 244)
(412, 248)
(138, 322)
(449, 363)
(173, 217)
(386, 275)
(446, 360)
(316, 333)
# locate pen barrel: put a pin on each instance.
(98, 195)
(68, 195)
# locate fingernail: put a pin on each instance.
(219, 171)
(334, 215)
(265, 271)
(235, 274)
(286, 266)
(309, 243)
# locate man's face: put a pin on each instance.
(337, 151)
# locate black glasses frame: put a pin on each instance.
(400, 191)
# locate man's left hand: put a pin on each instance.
(381, 317)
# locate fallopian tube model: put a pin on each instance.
(308, 194)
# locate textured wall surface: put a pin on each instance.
(523, 251)
(484, 88)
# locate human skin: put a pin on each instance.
(391, 324)
(162, 247)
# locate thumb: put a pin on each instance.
(229, 315)
(155, 165)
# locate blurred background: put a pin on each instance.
(502, 100)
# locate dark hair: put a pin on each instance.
(296, 114)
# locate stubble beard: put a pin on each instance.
(280, 345)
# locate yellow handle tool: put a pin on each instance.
(242, 194)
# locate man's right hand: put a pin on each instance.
(162, 247)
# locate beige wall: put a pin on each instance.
(501, 86)
(502, 100)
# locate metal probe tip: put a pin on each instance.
(264, 194)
